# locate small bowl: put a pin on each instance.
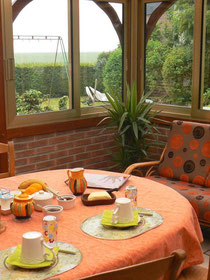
(67, 201)
(54, 210)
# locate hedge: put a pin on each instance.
(50, 79)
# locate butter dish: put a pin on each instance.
(87, 202)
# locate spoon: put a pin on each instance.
(66, 251)
(58, 196)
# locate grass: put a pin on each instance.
(85, 57)
(53, 103)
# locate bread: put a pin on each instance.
(99, 195)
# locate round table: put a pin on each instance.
(180, 228)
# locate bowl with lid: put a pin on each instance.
(42, 199)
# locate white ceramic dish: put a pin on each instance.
(54, 210)
(42, 198)
(67, 201)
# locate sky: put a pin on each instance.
(49, 18)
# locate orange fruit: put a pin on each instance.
(30, 190)
(36, 186)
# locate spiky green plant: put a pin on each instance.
(133, 120)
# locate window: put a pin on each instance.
(62, 55)
(40, 42)
(100, 52)
(171, 56)
(59, 55)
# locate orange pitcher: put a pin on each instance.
(77, 181)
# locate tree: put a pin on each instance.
(155, 58)
(113, 73)
(99, 69)
(177, 75)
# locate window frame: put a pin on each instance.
(15, 121)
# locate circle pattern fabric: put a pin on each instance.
(188, 153)
(198, 196)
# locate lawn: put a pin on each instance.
(53, 103)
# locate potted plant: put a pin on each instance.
(133, 120)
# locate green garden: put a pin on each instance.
(43, 86)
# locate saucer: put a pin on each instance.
(14, 259)
(107, 220)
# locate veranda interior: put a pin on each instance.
(55, 54)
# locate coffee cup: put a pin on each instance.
(32, 251)
(123, 211)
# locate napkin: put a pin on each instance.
(107, 219)
(14, 259)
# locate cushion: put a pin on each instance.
(198, 196)
(207, 181)
(187, 156)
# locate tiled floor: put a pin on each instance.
(206, 245)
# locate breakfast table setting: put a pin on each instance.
(75, 223)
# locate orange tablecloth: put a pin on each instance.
(180, 228)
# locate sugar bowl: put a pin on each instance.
(22, 206)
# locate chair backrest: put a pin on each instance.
(9, 150)
(153, 270)
(187, 156)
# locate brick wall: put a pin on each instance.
(88, 148)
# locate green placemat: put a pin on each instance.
(92, 226)
(65, 263)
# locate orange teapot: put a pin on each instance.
(77, 181)
(22, 206)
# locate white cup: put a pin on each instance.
(32, 251)
(123, 212)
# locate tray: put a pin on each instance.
(86, 202)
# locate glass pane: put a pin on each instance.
(100, 51)
(206, 79)
(41, 57)
(169, 52)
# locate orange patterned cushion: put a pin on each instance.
(198, 196)
(207, 181)
(187, 157)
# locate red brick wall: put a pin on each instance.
(88, 148)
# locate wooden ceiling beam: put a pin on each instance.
(155, 16)
(17, 7)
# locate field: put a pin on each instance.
(85, 57)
